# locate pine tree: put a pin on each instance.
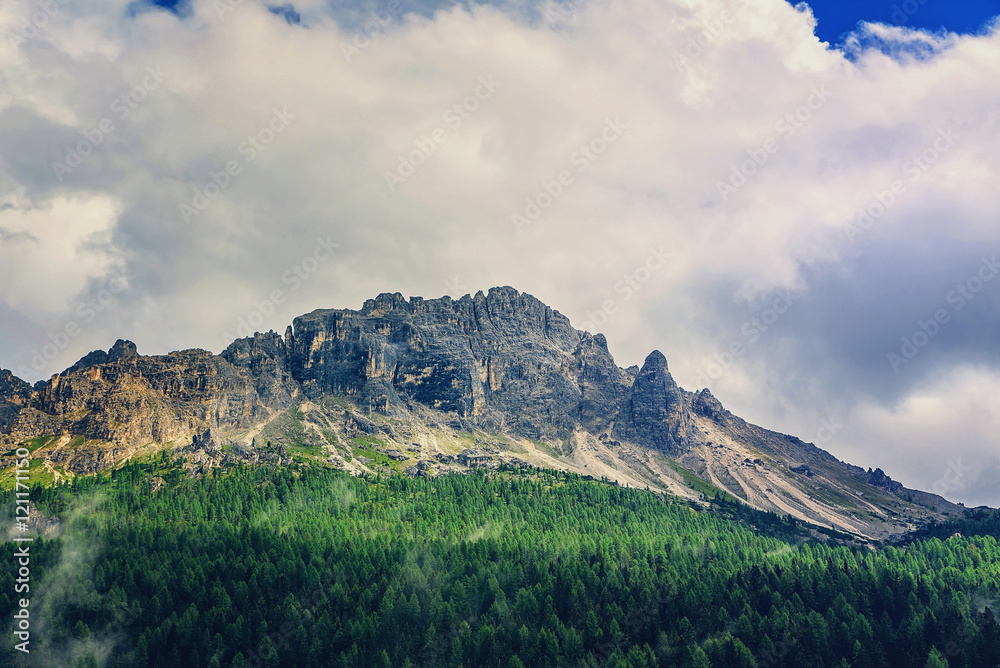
(936, 659)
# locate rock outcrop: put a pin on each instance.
(15, 394)
(878, 478)
(655, 412)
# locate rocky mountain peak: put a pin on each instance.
(13, 388)
(655, 365)
(384, 303)
(654, 411)
(500, 365)
(705, 403)
(878, 478)
(122, 351)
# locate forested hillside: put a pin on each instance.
(264, 567)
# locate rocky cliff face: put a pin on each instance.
(501, 360)
(655, 412)
(127, 400)
(14, 395)
(502, 365)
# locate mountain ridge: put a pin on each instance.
(415, 383)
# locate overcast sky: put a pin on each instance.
(680, 175)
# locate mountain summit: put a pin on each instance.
(439, 385)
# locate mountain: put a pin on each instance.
(432, 386)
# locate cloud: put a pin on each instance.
(947, 426)
(7, 236)
(748, 150)
(69, 241)
(901, 43)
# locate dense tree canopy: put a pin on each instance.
(263, 567)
